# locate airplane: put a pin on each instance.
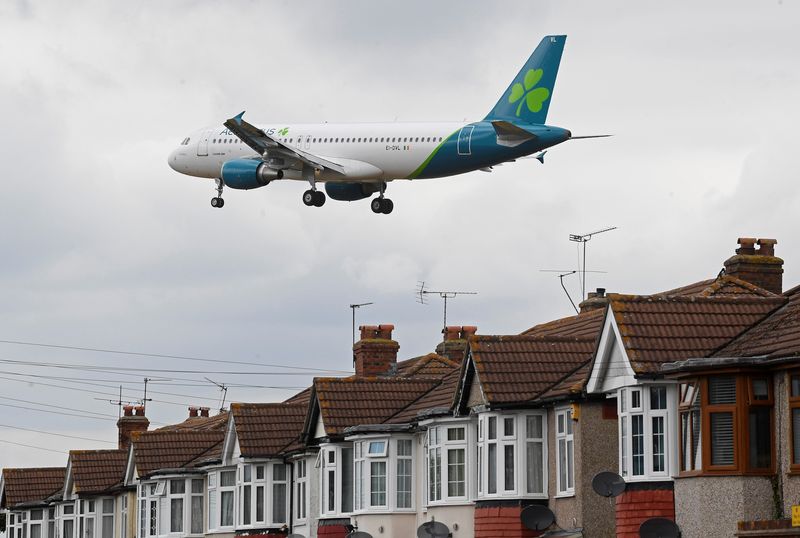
(358, 160)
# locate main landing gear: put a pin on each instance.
(217, 201)
(382, 204)
(314, 197)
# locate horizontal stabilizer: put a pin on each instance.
(510, 135)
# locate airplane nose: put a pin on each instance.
(172, 160)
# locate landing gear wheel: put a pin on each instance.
(309, 197)
(377, 205)
(319, 198)
(388, 206)
(217, 202)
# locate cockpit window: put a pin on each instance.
(185, 141)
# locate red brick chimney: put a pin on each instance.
(204, 411)
(132, 420)
(757, 266)
(455, 341)
(376, 353)
(193, 412)
(596, 299)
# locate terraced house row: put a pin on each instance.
(691, 395)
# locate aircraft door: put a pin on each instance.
(465, 140)
(202, 144)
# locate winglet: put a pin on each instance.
(238, 117)
(540, 157)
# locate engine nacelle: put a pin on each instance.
(349, 192)
(248, 174)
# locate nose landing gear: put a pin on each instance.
(217, 201)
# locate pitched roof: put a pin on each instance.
(722, 285)
(520, 368)
(353, 401)
(215, 422)
(97, 471)
(266, 429)
(31, 485)
(430, 366)
(175, 449)
(302, 397)
(583, 325)
(440, 396)
(656, 329)
(777, 336)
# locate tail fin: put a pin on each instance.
(528, 97)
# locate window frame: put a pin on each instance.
(336, 467)
(363, 462)
(567, 435)
(627, 413)
(793, 402)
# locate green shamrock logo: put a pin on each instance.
(284, 131)
(533, 97)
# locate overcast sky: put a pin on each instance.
(104, 246)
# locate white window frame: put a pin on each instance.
(300, 469)
(333, 469)
(363, 469)
(150, 492)
(565, 440)
(515, 441)
(627, 412)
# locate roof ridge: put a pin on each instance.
(618, 297)
(533, 337)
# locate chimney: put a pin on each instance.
(192, 412)
(595, 300)
(132, 420)
(759, 267)
(376, 353)
(204, 411)
(455, 341)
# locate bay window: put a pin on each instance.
(512, 455)
(644, 431)
(336, 479)
(447, 462)
(168, 506)
(565, 446)
(383, 473)
(727, 426)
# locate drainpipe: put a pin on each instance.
(291, 497)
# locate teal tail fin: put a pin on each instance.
(528, 97)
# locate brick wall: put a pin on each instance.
(333, 528)
(496, 520)
(777, 528)
(641, 502)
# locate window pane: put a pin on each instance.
(533, 426)
(491, 467)
(658, 397)
(227, 478)
(570, 464)
(279, 470)
(260, 504)
(796, 436)
(403, 483)
(248, 473)
(260, 472)
(404, 447)
(534, 458)
(377, 447)
(658, 444)
(508, 461)
(456, 434)
(623, 464)
(636, 399)
(226, 505)
(456, 485)
(279, 503)
(377, 483)
(246, 507)
(721, 390)
(331, 491)
(36, 531)
(492, 427)
(760, 438)
(68, 529)
(637, 444)
(721, 438)
(153, 518)
(508, 427)
(347, 479)
(760, 389)
(795, 386)
(197, 485)
(197, 514)
(212, 509)
(176, 515)
(177, 486)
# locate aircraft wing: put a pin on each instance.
(267, 146)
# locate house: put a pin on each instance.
(26, 497)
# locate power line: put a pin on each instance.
(56, 434)
(163, 356)
(105, 415)
(34, 446)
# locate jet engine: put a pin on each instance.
(248, 174)
(349, 192)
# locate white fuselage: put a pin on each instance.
(368, 151)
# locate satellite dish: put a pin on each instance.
(659, 527)
(359, 534)
(608, 484)
(295, 536)
(433, 529)
(537, 517)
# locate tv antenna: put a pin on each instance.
(561, 274)
(355, 307)
(584, 238)
(145, 399)
(422, 298)
(223, 392)
(118, 402)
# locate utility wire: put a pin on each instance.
(163, 356)
(104, 415)
(60, 413)
(34, 446)
(56, 434)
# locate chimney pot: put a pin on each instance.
(468, 330)
(451, 332)
(138, 411)
(746, 245)
(376, 352)
(127, 410)
(204, 411)
(192, 412)
(766, 247)
(601, 292)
